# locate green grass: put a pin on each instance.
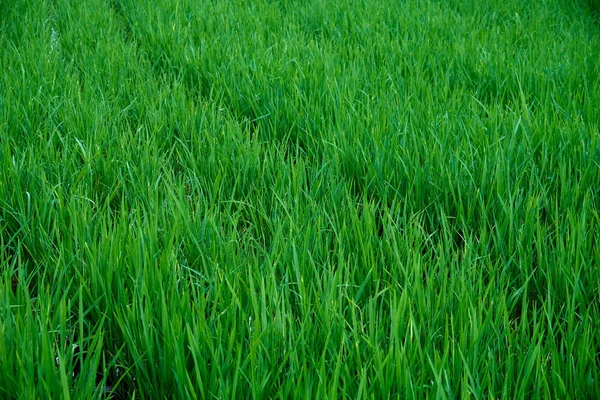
(309, 199)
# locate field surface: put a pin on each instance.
(299, 199)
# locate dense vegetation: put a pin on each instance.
(341, 199)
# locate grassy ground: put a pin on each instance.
(351, 199)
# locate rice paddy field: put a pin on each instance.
(348, 199)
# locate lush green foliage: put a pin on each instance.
(320, 199)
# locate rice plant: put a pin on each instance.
(285, 199)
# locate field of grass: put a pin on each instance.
(310, 199)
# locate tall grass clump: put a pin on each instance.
(284, 199)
